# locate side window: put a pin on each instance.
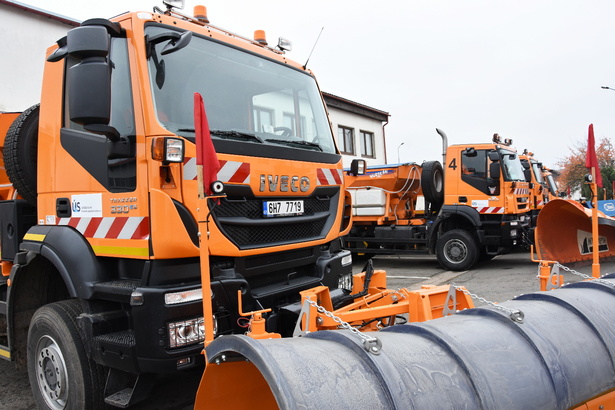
(122, 112)
(475, 171)
(474, 165)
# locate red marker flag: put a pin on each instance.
(206, 156)
(592, 160)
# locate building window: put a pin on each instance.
(263, 119)
(367, 144)
(345, 139)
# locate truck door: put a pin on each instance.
(94, 187)
(475, 171)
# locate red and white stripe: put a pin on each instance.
(490, 209)
(230, 171)
(120, 227)
(328, 176)
(522, 191)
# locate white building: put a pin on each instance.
(27, 32)
(359, 130)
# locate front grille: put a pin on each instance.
(242, 220)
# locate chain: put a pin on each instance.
(584, 276)
(515, 314)
(371, 344)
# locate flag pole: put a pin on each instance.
(201, 135)
(591, 162)
(595, 237)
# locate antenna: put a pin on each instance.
(316, 42)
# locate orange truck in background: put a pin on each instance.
(539, 189)
(100, 287)
(553, 189)
(476, 208)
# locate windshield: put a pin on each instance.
(513, 170)
(537, 173)
(247, 97)
(552, 184)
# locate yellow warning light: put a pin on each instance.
(200, 13)
(260, 37)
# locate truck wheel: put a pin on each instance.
(456, 250)
(432, 181)
(20, 151)
(61, 374)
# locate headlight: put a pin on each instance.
(183, 297)
(347, 260)
(186, 332)
(345, 282)
(513, 233)
(167, 149)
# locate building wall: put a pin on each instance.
(25, 39)
(357, 123)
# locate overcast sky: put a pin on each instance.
(530, 70)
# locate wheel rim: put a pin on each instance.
(51, 373)
(455, 251)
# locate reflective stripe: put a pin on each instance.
(121, 250)
(5, 353)
(329, 176)
(230, 171)
(121, 227)
(491, 210)
(34, 237)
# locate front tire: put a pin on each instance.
(457, 250)
(61, 374)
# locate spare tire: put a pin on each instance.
(432, 181)
(20, 152)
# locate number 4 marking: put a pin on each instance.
(453, 163)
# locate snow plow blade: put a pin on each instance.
(564, 233)
(559, 354)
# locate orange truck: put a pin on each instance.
(541, 183)
(475, 208)
(101, 285)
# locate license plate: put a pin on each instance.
(282, 208)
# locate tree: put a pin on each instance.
(573, 169)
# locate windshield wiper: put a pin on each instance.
(303, 144)
(228, 134)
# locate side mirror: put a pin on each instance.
(494, 170)
(89, 81)
(493, 156)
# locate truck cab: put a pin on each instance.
(486, 183)
(474, 208)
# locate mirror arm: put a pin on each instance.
(106, 130)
